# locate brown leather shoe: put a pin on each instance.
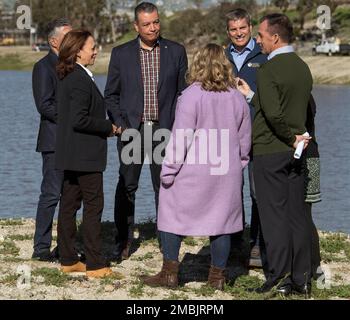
(103, 272)
(216, 278)
(78, 267)
(167, 277)
(255, 258)
(126, 251)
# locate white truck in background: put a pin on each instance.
(331, 47)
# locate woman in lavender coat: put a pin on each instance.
(202, 170)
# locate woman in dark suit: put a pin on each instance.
(82, 153)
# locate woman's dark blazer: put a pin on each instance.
(82, 129)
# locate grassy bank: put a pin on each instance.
(325, 70)
(47, 282)
(18, 58)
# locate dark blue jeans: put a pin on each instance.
(50, 195)
(220, 247)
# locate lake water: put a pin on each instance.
(20, 165)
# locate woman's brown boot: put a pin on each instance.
(167, 277)
(216, 278)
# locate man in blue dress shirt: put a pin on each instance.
(246, 57)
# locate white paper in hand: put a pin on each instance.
(299, 150)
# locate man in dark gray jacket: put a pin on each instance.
(44, 91)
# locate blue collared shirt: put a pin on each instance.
(285, 49)
(240, 56)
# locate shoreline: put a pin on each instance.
(325, 70)
(47, 282)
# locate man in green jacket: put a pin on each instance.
(284, 85)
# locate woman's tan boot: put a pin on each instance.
(77, 267)
(103, 272)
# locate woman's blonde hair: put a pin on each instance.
(212, 69)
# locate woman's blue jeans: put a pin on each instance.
(220, 247)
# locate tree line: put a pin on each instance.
(99, 16)
(196, 25)
(187, 26)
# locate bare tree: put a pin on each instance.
(281, 4)
(303, 8)
(198, 3)
(110, 13)
(332, 4)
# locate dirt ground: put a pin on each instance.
(23, 278)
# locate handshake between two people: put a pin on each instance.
(116, 131)
(244, 88)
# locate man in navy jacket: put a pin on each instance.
(145, 78)
(246, 57)
(44, 91)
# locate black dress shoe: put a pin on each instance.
(284, 289)
(55, 254)
(301, 290)
(122, 251)
(43, 256)
(82, 256)
(266, 287)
